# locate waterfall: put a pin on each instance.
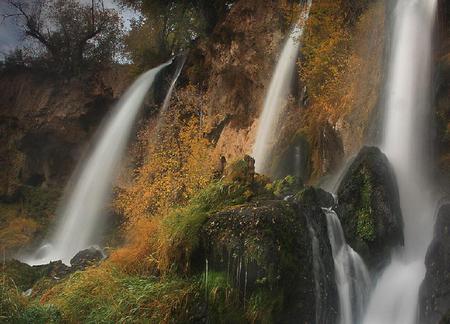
(81, 214)
(276, 97)
(352, 277)
(166, 102)
(394, 300)
(318, 271)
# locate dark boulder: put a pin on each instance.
(25, 276)
(86, 258)
(265, 248)
(369, 208)
(435, 289)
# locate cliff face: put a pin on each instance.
(442, 99)
(236, 65)
(45, 124)
(331, 103)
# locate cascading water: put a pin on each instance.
(394, 300)
(352, 278)
(276, 97)
(166, 102)
(81, 214)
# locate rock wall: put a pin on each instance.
(435, 289)
(45, 123)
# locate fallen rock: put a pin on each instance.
(369, 208)
(435, 288)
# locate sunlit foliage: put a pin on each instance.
(176, 165)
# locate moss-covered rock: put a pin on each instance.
(25, 276)
(435, 289)
(369, 207)
(265, 249)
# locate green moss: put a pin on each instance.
(283, 187)
(180, 229)
(365, 227)
(222, 299)
(262, 306)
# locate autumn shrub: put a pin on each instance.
(342, 71)
(17, 230)
(175, 164)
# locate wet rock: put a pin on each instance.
(265, 247)
(86, 258)
(369, 208)
(435, 289)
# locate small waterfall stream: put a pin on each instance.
(394, 300)
(275, 100)
(352, 278)
(81, 214)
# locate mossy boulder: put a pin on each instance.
(435, 289)
(369, 208)
(25, 276)
(266, 250)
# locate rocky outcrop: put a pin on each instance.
(86, 258)
(25, 276)
(435, 288)
(442, 97)
(369, 208)
(265, 248)
(46, 121)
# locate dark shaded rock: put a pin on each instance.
(369, 208)
(86, 258)
(330, 148)
(265, 248)
(316, 197)
(435, 289)
(293, 160)
(25, 276)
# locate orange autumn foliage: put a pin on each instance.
(176, 165)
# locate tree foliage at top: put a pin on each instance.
(169, 27)
(71, 35)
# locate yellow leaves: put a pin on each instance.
(176, 164)
(17, 232)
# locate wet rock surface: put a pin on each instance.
(435, 288)
(369, 208)
(265, 247)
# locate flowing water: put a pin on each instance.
(82, 212)
(166, 102)
(394, 300)
(352, 278)
(276, 98)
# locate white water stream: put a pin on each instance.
(276, 98)
(81, 214)
(395, 297)
(352, 278)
